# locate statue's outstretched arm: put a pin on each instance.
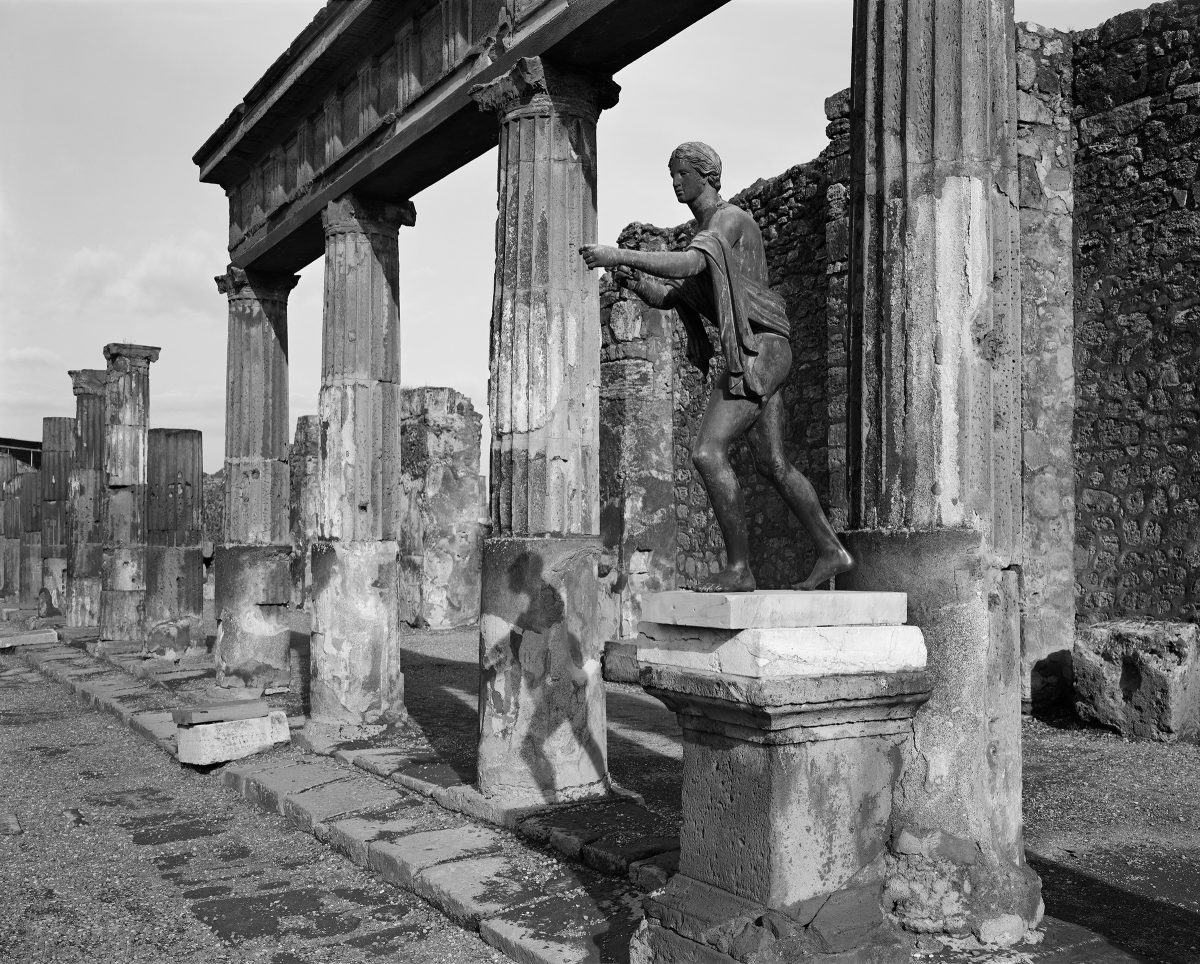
(661, 264)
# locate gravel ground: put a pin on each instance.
(124, 856)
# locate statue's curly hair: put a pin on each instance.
(703, 159)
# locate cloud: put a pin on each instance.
(31, 355)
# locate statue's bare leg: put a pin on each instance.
(726, 419)
(770, 458)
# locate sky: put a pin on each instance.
(107, 235)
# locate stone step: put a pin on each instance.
(775, 608)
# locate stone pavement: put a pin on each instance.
(555, 885)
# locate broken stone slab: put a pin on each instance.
(269, 785)
(800, 651)
(774, 608)
(399, 861)
(1140, 678)
(226, 712)
(32, 637)
(10, 825)
(354, 836)
(309, 808)
(218, 742)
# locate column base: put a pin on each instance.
(542, 714)
(357, 684)
(253, 590)
(53, 599)
(83, 601)
(122, 617)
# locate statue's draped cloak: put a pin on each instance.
(740, 307)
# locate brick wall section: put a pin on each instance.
(1045, 151)
(1137, 229)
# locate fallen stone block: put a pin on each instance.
(220, 712)
(32, 637)
(217, 742)
(1140, 678)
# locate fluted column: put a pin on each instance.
(126, 421)
(304, 462)
(86, 493)
(252, 559)
(29, 494)
(542, 718)
(10, 528)
(936, 447)
(58, 454)
(174, 563)
(357, 683)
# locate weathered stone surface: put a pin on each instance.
(475, 888)
(542, 714)
(354, 836)
(218, 742)
(328, 801)
(224, 712)
(28, 637)
(1140, 678)
(304, 467)
(253, 588)
(440, 532)
(58, 450)
(400, 861)
(357, 680)
(804, 651)
(175, 593)
(768, 609)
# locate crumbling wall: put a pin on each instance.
(1137, 360)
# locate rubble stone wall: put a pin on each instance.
(1137, 315)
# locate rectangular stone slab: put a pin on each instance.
(801, 651)
(219, 712)
(775, 609)
(218, 742)
(30, 637)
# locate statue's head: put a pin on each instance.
(694, 166)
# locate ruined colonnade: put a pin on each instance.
(87, 489)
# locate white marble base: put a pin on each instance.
(795, 651)
(218, 742)
(775, 609)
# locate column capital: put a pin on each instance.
(87, 381)
(354, 214)
(536, 87)
(261, 286)
(139, 355)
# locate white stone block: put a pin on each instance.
(217, 742)
(795, 651)
(775, 609)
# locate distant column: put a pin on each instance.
(86, 492)
(126, 417)
(10, 541)
(58, 454)
(253, 584)
(356, 677)
(30, 582)
(542, 717)
(304, 459)
(174, 562)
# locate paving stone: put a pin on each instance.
(155, 725)
(353, 836)
(478, 887)
(399, 861)
(221, 742)
(353, 793)
(607, 835)
(269, 786)
(654, 872)
(588, 924)
(382, 763)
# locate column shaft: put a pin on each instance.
(126, 419)
(58, 454)
(357, 681)
(174, 563)
(10, 563)
(29, 491)
(304, 462)
(252, 560)
(542, 719)
(936, 446)
(86, 493)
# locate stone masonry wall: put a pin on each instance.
(1137, 315)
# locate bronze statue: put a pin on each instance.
(722, 276)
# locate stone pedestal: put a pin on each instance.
(58, 454)
(357, 685)
(174, 563)
(126, 423)
(935, 442)
(252, 637)
(30, 543)
(545, 501)
(86, 492)
(789, 770)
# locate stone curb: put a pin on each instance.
(400, 829)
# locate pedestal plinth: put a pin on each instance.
(796, 710)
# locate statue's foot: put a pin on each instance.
(728, 580)
(828, 565)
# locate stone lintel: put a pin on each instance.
(87, 381)
(143, 354)
(238, 283)
(537, 86)
(354, 214)
(775, 609)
